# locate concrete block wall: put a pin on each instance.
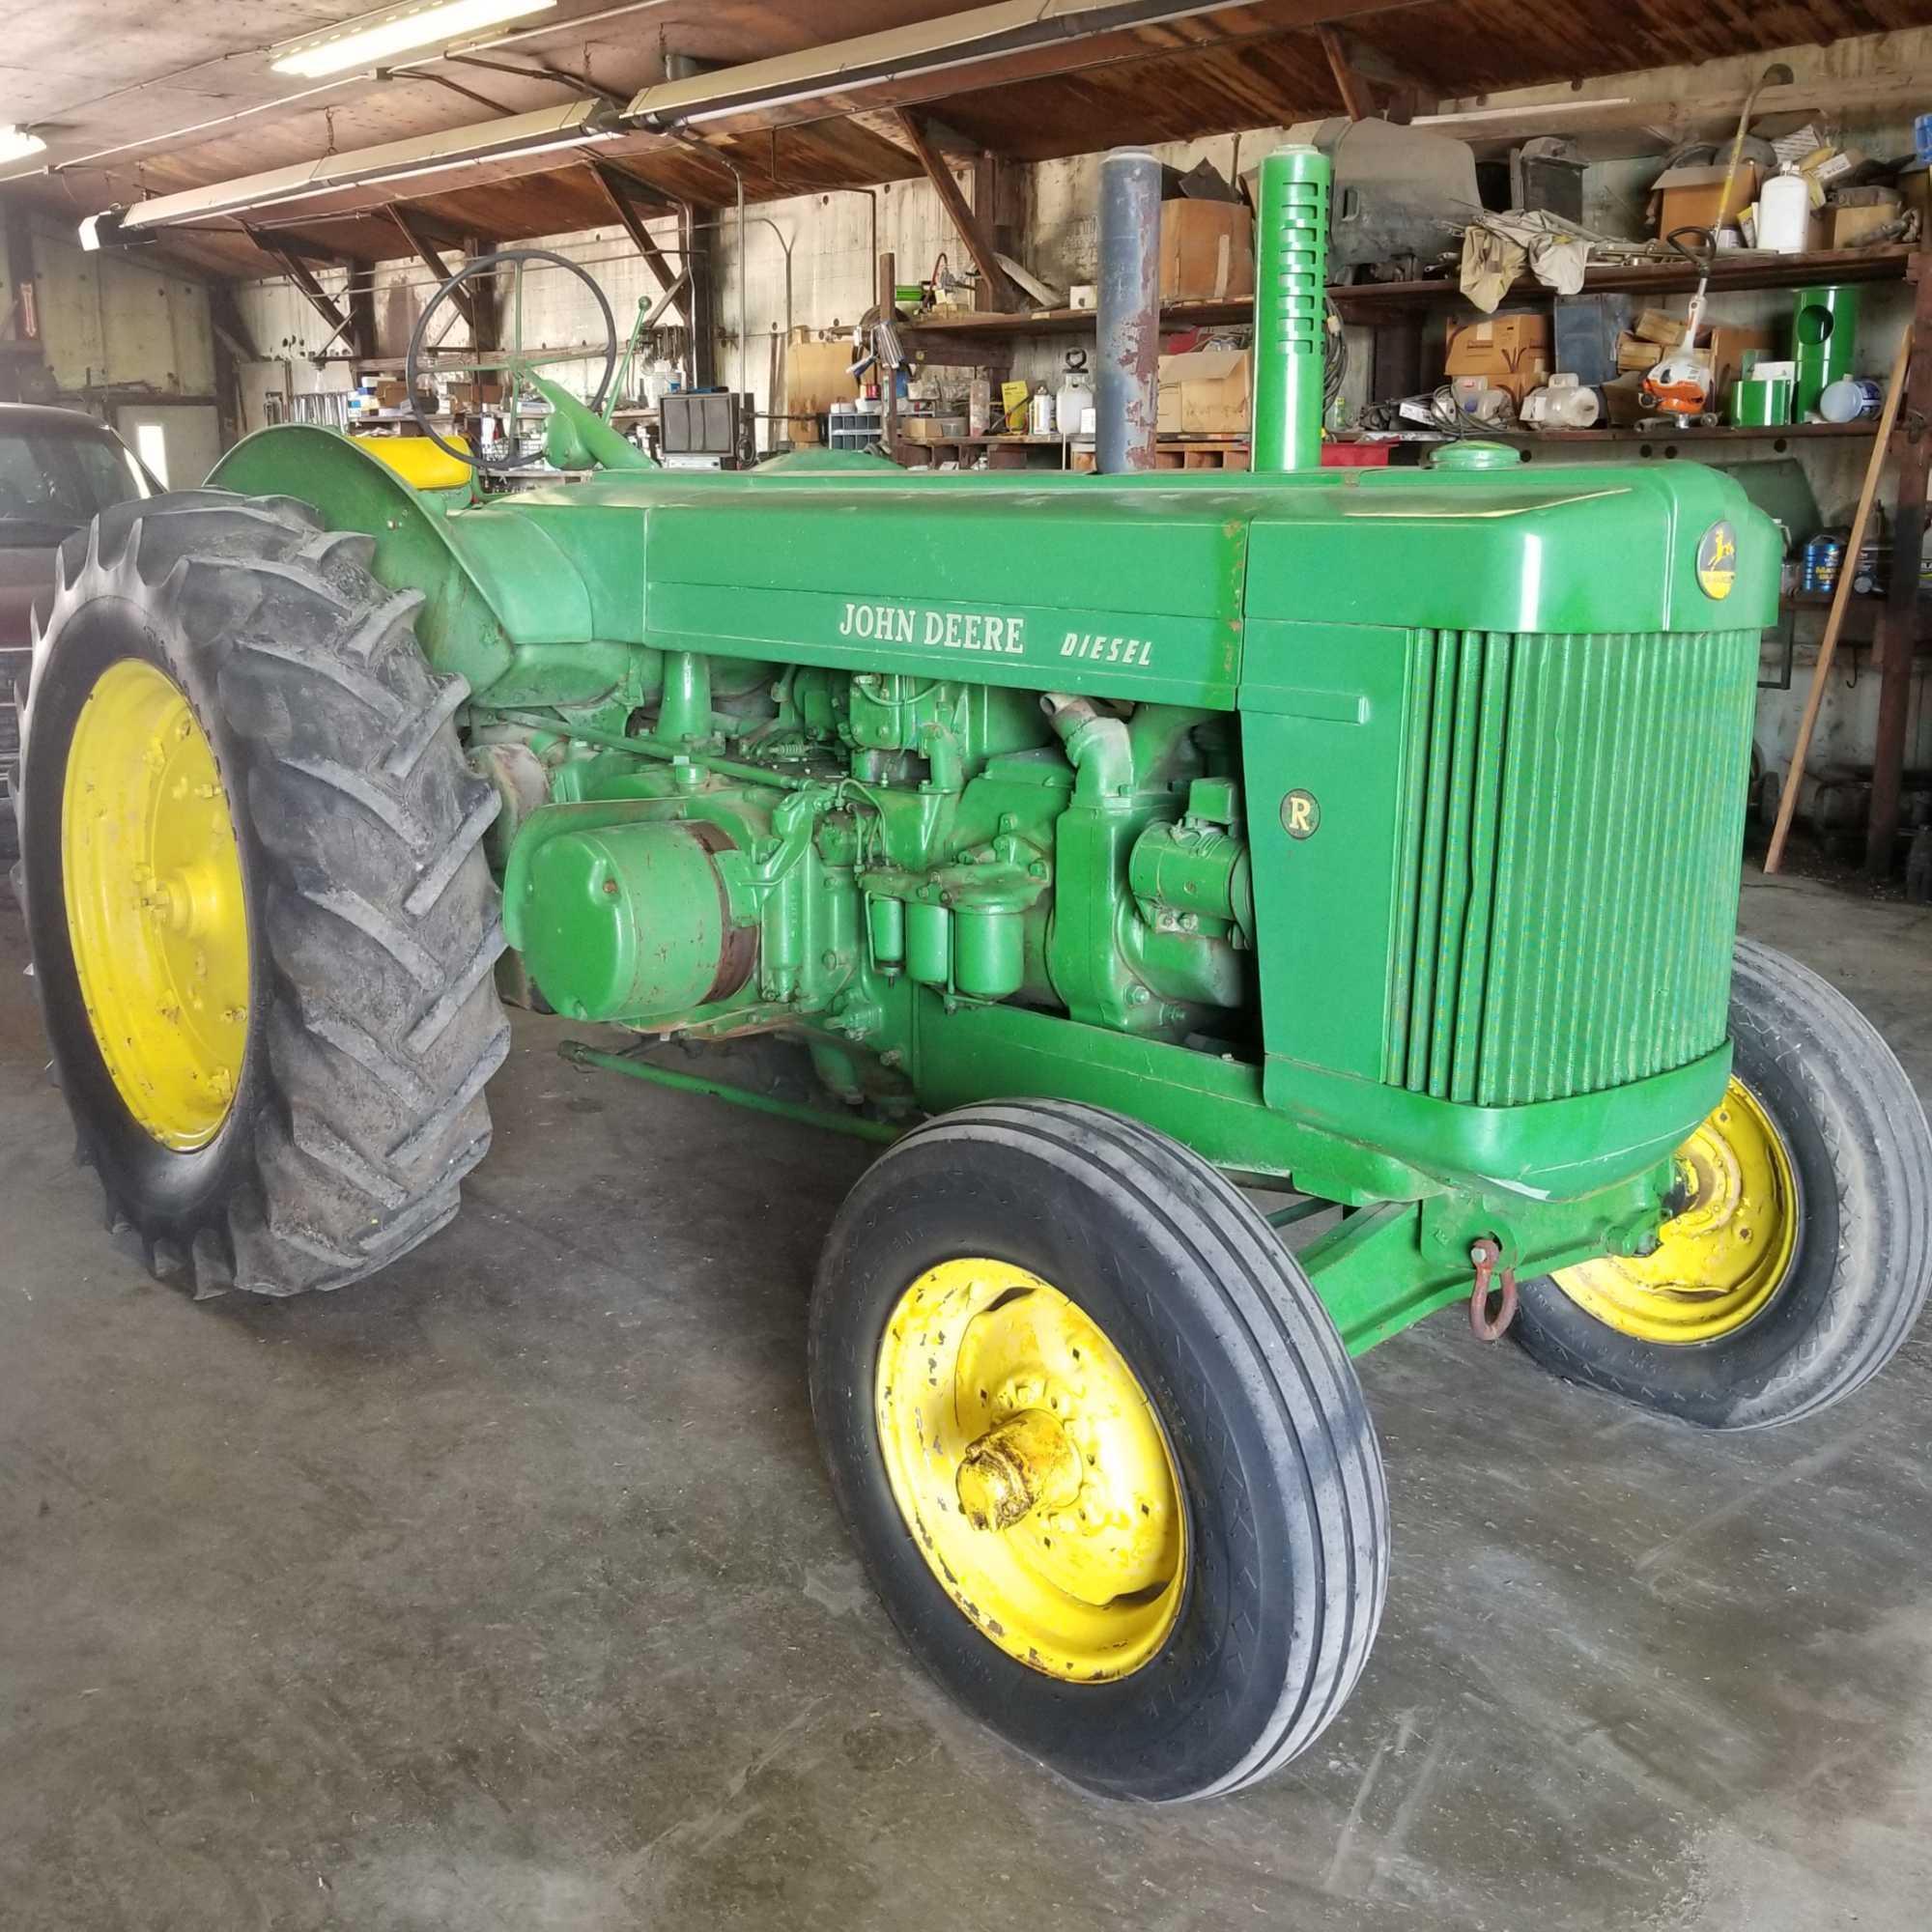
(111, 319)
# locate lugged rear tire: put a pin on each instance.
(1275, 1458)
(373, 1021)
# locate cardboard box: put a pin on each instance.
(817, 375)
(1915, 188)
(393, 394)
(1847, 227)
(1207, 251)
(1688, 198)
(1727, 346)
(1637, 353)
(474, 392)
(1510, 352)
(1206, 392)
(1623, 399)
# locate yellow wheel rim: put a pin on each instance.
(1030, 1467)
(1721, 1260)
(155, 908)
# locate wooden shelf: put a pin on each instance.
(1721, 433)
(1736, 269)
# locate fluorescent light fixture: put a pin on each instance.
(574, 124)
(17, 142)
(374, 37)
(898, 54)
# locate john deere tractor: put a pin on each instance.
(1121, 847)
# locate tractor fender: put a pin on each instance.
(479, 603)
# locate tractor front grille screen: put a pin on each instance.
(1570, 856)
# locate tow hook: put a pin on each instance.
(1490, 1278)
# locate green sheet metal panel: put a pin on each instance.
(1574, 817)
(1586, 550)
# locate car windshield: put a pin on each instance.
(55, 482)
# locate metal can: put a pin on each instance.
(1824, 559)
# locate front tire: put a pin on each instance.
(1844, 1190)
(263, 927)
(1194, 1550)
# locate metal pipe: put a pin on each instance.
(658, 748)
(1126, 397)
(1291, 291)
(579, 1054)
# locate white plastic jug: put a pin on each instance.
(1785, 214)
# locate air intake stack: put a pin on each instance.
(1291, 282)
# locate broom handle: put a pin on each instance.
(1774, 857)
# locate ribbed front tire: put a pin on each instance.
(1276, 1461)
(1858, 1148)
(372, 1019)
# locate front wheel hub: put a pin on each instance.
(1025, 1463)
(1031, 1471)
(1717, 1263)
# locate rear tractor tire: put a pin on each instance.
(263, 927)
(1099, 1447)
(1803, 1253)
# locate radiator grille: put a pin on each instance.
(1568, 892)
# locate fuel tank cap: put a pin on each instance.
(1470, 453)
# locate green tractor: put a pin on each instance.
(1119, 847)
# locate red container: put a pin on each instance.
(1355, 455)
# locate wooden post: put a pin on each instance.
(974, 226)
(1899, 625)
(696, 228)
(889, 400)
(1774, 857)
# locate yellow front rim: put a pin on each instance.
(155, 908)
(1031, 1471)
(1721, 1260)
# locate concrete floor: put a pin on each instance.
(504, 1592)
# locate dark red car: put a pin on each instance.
(58, 468)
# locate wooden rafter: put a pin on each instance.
(417, 234)
(977, 235)
(624, 193)
(1357, 97)
(303, 276)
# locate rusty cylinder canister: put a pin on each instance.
(1127, 386)
(1290, 310)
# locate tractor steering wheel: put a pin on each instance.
(515, 364)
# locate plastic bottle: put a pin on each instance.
(1784, 214)
(1075, 397)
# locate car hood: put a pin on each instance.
(26, 579)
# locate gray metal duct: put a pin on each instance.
(1126, 389)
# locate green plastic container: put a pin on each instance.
(1824, 338)
(1760, 402)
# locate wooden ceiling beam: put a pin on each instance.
(977, 235)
